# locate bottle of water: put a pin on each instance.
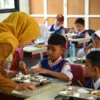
(72, 52)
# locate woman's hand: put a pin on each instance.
(25, 86)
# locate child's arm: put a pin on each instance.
(65, 74)
(63, 32)
(86, 49)
(58, 75)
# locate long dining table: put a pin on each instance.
(35, 50)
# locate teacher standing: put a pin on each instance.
(18, 30)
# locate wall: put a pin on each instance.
(24, 6)
(71, 9)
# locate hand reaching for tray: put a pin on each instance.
(25, 86)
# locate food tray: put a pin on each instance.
(75, 93)
(38, 80)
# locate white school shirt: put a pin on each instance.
(66, 69)
(97, 84)
(86, 34)
(56, 28)
(81, 52)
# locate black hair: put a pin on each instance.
(94, 57)
(80, 21)
(57, 39)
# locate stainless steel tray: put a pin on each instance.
(73, 94)
(28, 78)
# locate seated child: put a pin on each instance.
(53, 66)
(93, 69)
(80, 31)
(57, 27)
(93, 46)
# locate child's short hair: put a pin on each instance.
(80, 21)
(57, 39)
(94, 57)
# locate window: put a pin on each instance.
(9, 6)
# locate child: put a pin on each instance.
(53, 66)
(93, 69)
(57, 27)
(80, 31)
(93, 46)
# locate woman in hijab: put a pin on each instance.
(18, 30)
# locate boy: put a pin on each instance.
(93, 69)
(93, 46)
(80, 31)
(57, 27)
(53, 66)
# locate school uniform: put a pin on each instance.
(60, 65)
(93, 85)
(57, 29)
(81, 52)
(81, 34)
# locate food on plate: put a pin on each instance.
(38, 78)
(80, 60)
(81, 90)
(71, 88)
(97, 93)
(66, 93)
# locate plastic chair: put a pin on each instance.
(78, 74)
(90, 31)
(66, 30)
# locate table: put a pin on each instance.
(83, 64)
(48, 95)
(34, 50)
(80, 40)
(56, 85)
(54, 92)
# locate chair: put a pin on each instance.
(67, 43)
(90, 31)
(78, 74)
(66, 30)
